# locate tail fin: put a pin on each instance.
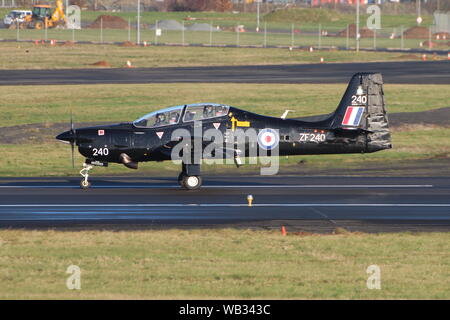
(362, 107)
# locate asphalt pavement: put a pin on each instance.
(409, 72)
(313, 203)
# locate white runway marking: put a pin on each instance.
(143, 186)
(229, 205)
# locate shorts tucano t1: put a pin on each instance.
(358, 125)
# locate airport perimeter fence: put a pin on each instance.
(297, 36)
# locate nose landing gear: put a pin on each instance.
(84, 183)
(88, 165)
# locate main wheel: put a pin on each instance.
(191, 182)
(85, 184)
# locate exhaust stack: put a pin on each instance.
(127, 162)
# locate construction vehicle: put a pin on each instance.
(15, 17)
(44, 17)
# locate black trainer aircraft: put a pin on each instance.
(358, 125)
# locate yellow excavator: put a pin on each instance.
(44, 17)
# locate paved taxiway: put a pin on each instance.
(409, 72)
(301, 203)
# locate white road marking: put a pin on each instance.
(230, 205)
(329, 186)
(143, 186)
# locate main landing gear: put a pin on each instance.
(189, 177)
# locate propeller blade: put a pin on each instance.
(73, 142)
(72, 145)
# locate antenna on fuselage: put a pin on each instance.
(284, 115)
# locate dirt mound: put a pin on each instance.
(431, 44)
(416, 33)
(441, 36)
(68, 44)
(409, 56)
(127, 44)
(109, 22)
(101, 64)
(364, 32)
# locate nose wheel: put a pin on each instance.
(84, 183)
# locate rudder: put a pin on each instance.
(362, 107)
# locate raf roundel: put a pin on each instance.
(268, 139)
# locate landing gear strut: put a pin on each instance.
(84, 183)
(190, 177)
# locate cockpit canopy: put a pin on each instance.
(172, 115)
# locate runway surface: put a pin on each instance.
(410, 72)
(319, 204)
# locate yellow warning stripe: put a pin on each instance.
(236, 123)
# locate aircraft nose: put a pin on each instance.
(68, 136)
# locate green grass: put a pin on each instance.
(211, 264)
(115, 103)
(126, 102)
(311, 17)
(223, 38)
(304, 20)
(29, 56)
(282, 19)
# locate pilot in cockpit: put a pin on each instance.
(220, 111)
(174, 118)
(208, 112)
(160, 119)
(189, 115)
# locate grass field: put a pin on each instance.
(305, 22)
(224, 38)
(28, 56)
(211, 264)
(307, 19)
(126, 102)
(116, 103)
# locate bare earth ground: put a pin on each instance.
(46, 132)
(29, 56)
